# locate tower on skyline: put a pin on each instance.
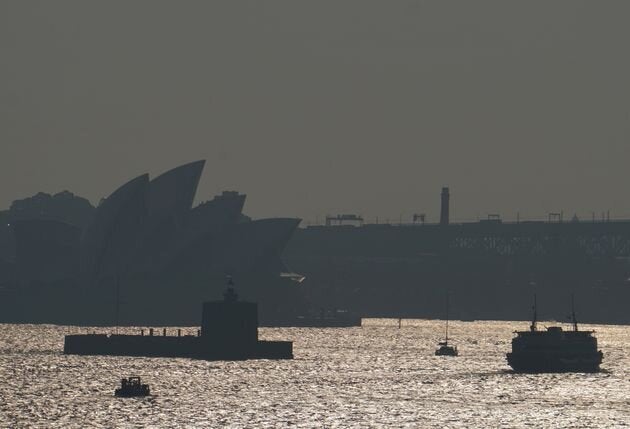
(444, 209)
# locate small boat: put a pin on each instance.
(132, 387)
(445, 349)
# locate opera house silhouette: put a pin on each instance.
(144, 255)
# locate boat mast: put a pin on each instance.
(117, 302)
(534, 318)
(573, 318)
(446, 340)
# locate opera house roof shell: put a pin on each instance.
(143, 233)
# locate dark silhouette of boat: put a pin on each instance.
(445, 349)
(229, 331)
(554, 350)
(132, 387)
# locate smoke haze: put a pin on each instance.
(324, 106)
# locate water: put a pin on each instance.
(375, 376)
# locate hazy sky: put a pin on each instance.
(315, 107)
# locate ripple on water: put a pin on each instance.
(354, 377)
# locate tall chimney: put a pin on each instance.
(444, 217)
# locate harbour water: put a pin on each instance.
(374, 376)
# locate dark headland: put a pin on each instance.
(148, 255)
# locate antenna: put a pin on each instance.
(446, 340)
(117, 302)
(230, 295)
(533, 327)
(573, 318)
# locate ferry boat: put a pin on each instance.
(554, 349)
(132, 387)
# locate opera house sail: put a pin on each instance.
(144, 255)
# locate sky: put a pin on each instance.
(324, 107)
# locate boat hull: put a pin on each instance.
(174, 347)
(136, 393)
(446, 351)
(539, 362)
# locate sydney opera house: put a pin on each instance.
(144, 255)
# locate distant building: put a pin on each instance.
(145, 250)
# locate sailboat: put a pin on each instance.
(445, 349)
